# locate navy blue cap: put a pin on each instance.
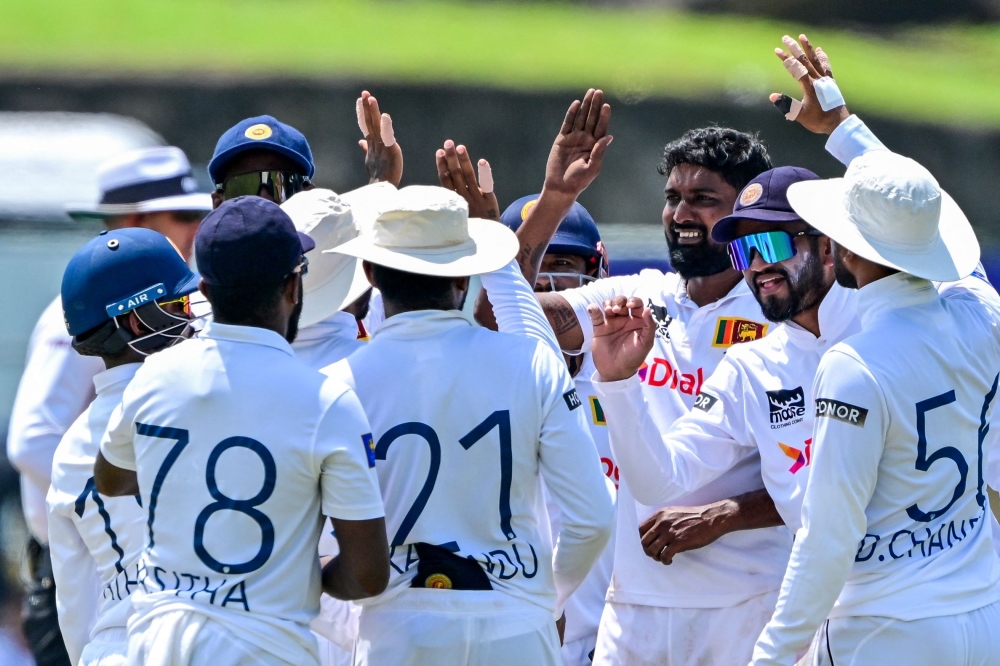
(764, 199)
(261, 132)
(248, 241)
(119, 271)
(577, 233)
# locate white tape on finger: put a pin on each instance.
(485, 177)
(793, 46)
(793, 112)
(388, 136)
(795, 68)
(828, 93)
(362, 125)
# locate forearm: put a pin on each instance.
(114, 481)
(750, 511)
(516, 309)
(538, 229)
(341, 583)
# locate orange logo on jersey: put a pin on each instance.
(801, 457)
(438, 582)
(730, 331)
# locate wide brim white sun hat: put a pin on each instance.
(427, 230)
(333, 281)
(197, 201)
(890, 210)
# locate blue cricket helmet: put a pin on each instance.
(577, 233)
(118, 272)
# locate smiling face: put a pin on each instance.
(788, 288)
(697, 198)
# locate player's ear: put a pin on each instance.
(131, 323)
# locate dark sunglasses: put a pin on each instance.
(772, 246)
(280, 185)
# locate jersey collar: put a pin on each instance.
(838, 318)
(245, 334)
(419, 324)
(110, 380)
(899, 290)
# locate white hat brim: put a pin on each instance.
(491, 246)
(340, 290)
(196, 201)
(953, 255)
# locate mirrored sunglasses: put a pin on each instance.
(184, 301)
(772, 246)
(280, 185)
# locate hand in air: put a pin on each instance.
(624, 333)
(576, 156)
(383, 156)
(455, 172)
(808, 65)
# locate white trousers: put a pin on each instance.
(578, 652)
(108, 648)
(427, 627)
(967, 639)
(632, 635)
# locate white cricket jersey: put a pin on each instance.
(92, 537)
(328, 341)
(895, 515)
(55, 389)
(240, 450)
(584, 607)
(690, 343)
(464, 420)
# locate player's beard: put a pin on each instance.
(293, 323)
(699, 259)
(844, 277)
(805, 290)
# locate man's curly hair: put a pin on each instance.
(737, 156)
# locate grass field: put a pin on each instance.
(942, 75)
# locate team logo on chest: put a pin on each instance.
(787, 407)
(661, 318)
(731, 330)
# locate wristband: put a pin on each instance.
(788, 106)
(388, 136)
(358, 106)
(828, 93)
(485, 177)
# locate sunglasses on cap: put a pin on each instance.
(772, 246)
(280, 185)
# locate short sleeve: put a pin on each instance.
(345, 451)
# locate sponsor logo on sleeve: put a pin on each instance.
(842, 411)
(572, 399)
(369, 443)
(787, 406)
(597, 412)
(730, 331)
(705, 401)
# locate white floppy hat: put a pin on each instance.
(334, 281)
(889, 209)
(149, 180)
(427, 230)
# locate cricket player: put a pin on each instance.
(464, 420)
(575, 257)
(727, 553)
(126, 296)
(152, 188)
(238, 450)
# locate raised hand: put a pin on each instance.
(454, 167)
(808, 65)
(624, 332)
(383, 156)
(577, 153)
